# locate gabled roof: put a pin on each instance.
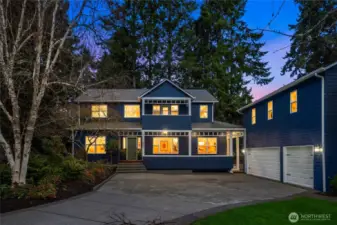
(292, 84)
(164, 81)
(201, 95)
(110, 95)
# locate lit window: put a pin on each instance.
(131, 111)
(156, 110)
(204, 111)
(174, 110)
(270, 110)
(207, 146)
(95, 145)
(139, 143)
(165, 110)
(293, 101)
(254, 116)
(124, 143)
(99, 111)
(164, 145)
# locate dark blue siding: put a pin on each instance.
(330, 123)
(183, 145)
(189, 163)
(152, 122)
(196, 112)
(318, 181)
(221, 142)
(286, 129)
(166, 90)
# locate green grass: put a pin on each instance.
(274, 213)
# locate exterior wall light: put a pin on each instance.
(243, 151)
(318, 148)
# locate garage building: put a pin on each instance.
(292, 132)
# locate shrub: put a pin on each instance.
(73, 169)
(52, 179)
(20, 192)
(88, 177)
(42, 191)
(5, 174)
(333, 184)
(5, 191)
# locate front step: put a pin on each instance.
(137, 167)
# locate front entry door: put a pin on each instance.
(132, 149)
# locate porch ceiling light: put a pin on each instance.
(164, 132)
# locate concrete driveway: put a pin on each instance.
(142, 197)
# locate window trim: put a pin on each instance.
(270, 110)
(153, 106)
(200, 106)
(95, 145)
(105, 113)
(172, 111)
(294, 101)
(131, 117)
(159, 146)
(216, 146)
(253, 116)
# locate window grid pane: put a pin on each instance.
(203, 111)
(131, 111)
(207, 146)
(95, 145)
(165, 145)
(99, 111)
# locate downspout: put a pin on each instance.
(323, 133)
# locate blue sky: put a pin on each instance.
(258, 14)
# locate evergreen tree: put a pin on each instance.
(314, 43)
(224, 56)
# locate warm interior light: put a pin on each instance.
(164, 132)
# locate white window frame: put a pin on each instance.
(94, 144)
(200, 111)
(105, 114)
(159, 146)
(131, 116)
(270, 110)
(207, 146)
(294, 101)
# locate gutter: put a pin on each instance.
(323, 131)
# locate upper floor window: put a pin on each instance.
(253, 116)
(204, 111)
(99, 111)
(156, 110)
(270, 110)
(293, 101)
(95, 144)
(165, 110)
(207, 146)
(174, 110)
(131, 111)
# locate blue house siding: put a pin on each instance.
(152, 122)
(286, 129)
(196, 163)
(221, 145)
(166, 90)
(182, 141)
(330, 100)
(196, 112)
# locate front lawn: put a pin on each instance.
(274, 213)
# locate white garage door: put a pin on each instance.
(264, 162)
(299, 165)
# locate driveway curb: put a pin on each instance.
(190, 218)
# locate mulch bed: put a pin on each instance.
(66, 190)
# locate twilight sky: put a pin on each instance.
(258, 14)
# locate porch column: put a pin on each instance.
(190, 143)
(237, 153)
(143, 143)
(227, 143)
(231, 143)
(245, 153)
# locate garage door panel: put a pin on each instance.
(264, 162)
(299, 165)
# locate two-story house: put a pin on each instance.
(292, 132)
(165, 127)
